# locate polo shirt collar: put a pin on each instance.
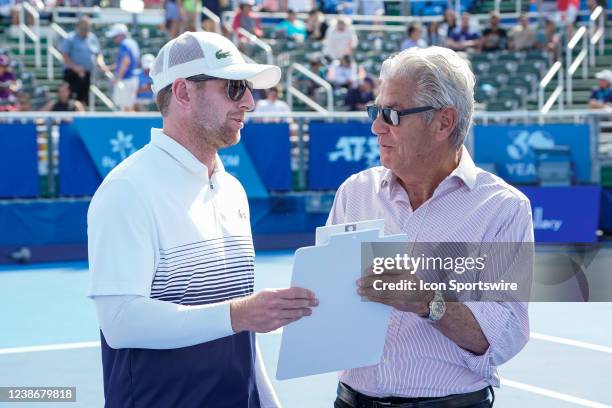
(465, 171)
(181, 154)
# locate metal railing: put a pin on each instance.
(215, 19)
(293, 91)
(258, 43)
(557, 94)
(53, 53)
(33, 35)
(597, 33)
(572, 63)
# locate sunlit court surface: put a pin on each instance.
(51, 338)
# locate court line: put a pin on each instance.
(570, 342)
(50, 347)
(553, 394)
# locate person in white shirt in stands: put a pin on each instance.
(125, 81)
(340, 39)
(272, 104)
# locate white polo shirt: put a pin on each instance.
(159, 227)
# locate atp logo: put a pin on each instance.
(521, 150)
(122, 146)
(355, 149)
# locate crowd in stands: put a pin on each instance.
(337, 63)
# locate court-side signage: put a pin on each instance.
(511, 149)
(564, 214)
(338, 150)
(109, 142)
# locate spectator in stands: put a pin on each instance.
(245, 18)
(64, 102)
(81, 53)
(433, 34)
(272, 104)
(24, 102)
(359, 97)
(125, 82)
(414, 37)
(144, 95)
(192, 9)
(8, 86)
(316, 26)
(465, 37)
(567, 12)
(271, 6)
(603, 93)
(340, 39)
(522, 36)
(549, 39)
(448, 24)
(291, 28)
(175, 13)
(216, 7)
(344, 72)
(494, 36)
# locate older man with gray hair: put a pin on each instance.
(436, 353)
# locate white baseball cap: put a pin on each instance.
(147, 61)
(117, 29)
(606, 75)
(196, 53)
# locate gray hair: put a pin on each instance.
(443, 79)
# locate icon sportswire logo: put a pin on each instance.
(220, 54)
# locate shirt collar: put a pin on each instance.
(181, 154)
(465, 171)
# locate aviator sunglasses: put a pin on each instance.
(392, 116)
(235, 87)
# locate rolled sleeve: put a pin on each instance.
(506, 327)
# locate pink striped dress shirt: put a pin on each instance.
(470, 205)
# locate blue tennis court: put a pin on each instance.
(50, 338)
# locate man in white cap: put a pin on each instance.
(170, 247)
(144, 94)
(125, 82)
(602, 95)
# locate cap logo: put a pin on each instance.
(222, 54)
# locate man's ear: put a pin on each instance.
(446, 123)
(180, 93)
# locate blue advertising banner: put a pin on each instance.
(109, 142)
(18, 161)
(269, 147)
(564, 214)
(338, 150)
(78, 175)
(511, 149)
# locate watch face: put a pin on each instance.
(438, 308)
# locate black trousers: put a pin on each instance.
(78, 85)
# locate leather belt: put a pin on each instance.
(359, 400)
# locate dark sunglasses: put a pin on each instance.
(235, 87)
(392, 116)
